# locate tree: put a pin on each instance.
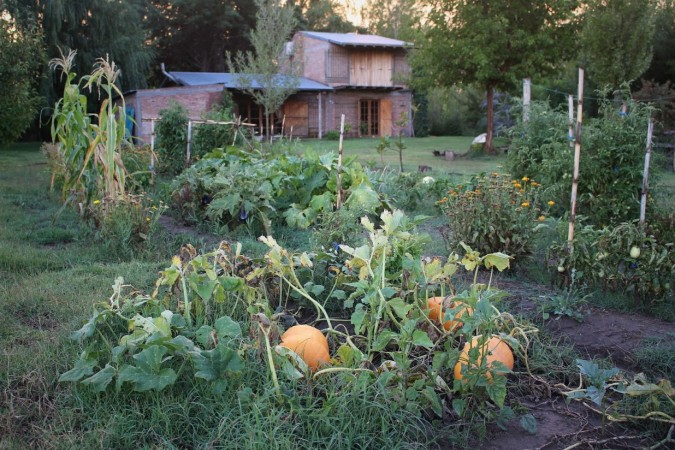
(21, 57)
(493, 43)
(322, 15)
(397, 19)
(662, 67)
(268, 73)
(194, 35)
(617, 39)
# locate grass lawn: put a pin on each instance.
(418, 151)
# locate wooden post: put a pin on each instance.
(290, 138)
(283, 125)
(320, 117)
(570, 108)
(527, 96)
(577, 157)
(645, 174)
(189, 140)
(339, 168)
(152, 142)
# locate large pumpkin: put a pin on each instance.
(308, 343)
(493, 350)
(436, 312)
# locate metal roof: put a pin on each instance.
(357, 40)
(235, 80)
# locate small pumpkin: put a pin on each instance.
(437, 312)
(497, 350)
(308, 343)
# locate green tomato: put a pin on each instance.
(561, 269)
(635, 252)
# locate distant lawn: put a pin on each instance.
(418, 151)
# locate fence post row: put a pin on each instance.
(577, 157)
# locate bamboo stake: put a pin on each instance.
(152, 143)
(645, 174)
(527, 95)
(570, 109)
(339, 168)
(577, 157)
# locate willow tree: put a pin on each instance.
(493, 43)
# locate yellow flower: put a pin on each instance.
(525, 204)
(154, 208)
(176, 261)
(495, 174)
(525, 179)
(551, 203)
(147, 219)
(517, 185)
(96, 202)
(541, 218)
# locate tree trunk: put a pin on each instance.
(489, 148)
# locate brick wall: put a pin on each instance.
(347, 102)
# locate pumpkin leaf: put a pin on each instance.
(400, 307)
(215, 365)
(101, 379)
(529, 423)
(148, 374)
(231, 284)
(203, 288)
(383, 340)
(422, 339)
(87, 329)
(226, 327)
(498, 260)
(358, 316)
(84, 366)
(497, 390)
(203, 336)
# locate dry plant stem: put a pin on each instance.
(602, 441)
(188, 317)
(339, 369)
(667, 439)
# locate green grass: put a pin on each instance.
(418, 151)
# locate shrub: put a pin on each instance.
(606, 257)
(611, 166)
(493, 214)
(332, 135)
(172, 138)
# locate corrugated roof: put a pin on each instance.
(231, 80)
(357, 40)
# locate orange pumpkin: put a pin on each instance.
(308, 343)
(436, 312)
(497, 350)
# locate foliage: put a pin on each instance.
(421, 124)
(515, 40)
(233, 187)
(396, 19)
(172, 138)
(568, 303)
(662, 97)
(662, 66)
(322, 15)
(268, 74)
(389, 144)
(21, 56)
(602, 257)
(456, 111)
(93, 167)
(208, 137)
(494, 213)
(139, 162)
(332, 135)
(127, 225)
(611, 165)
(617, 39)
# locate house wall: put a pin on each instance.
(312, 54)
(147, 104)
(346, 102)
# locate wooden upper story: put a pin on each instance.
(351, 60)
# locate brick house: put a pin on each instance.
(360, 76)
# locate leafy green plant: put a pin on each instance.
(611, 164)
(569, 303)
(626, 257)
(494, 213)
(332, 135)
(172, 138)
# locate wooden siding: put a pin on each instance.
(371, 68)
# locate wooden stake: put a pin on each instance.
(645, 174)
(570, 108)
(527, 96)
(577, 158)
(189, 140)
(339, 168)
(320, 116)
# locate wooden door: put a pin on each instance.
(385, 117)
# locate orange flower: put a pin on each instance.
(525, 179)
(517, 185)
(541, 218)
(551, 203)
(525, 204)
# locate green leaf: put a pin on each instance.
(400, 307)
(231, 284)
(226, 327)
(529, 423)
(339, 294)
(101, 379)
(148, 374)
(203, 287)
(434, 400)
(203, 336)
(459, 406)
(496, 390)
(421, 338)
(84, 366)
(87, 329)
(215, 365)
(499, 260)
(363, 198)
(383, 340)
(358, 316)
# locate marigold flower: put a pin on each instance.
(525, 179)
(541, 218)
(551, 203)
(517, 185)
(96, 202)
(525, 204)
(147, 219)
